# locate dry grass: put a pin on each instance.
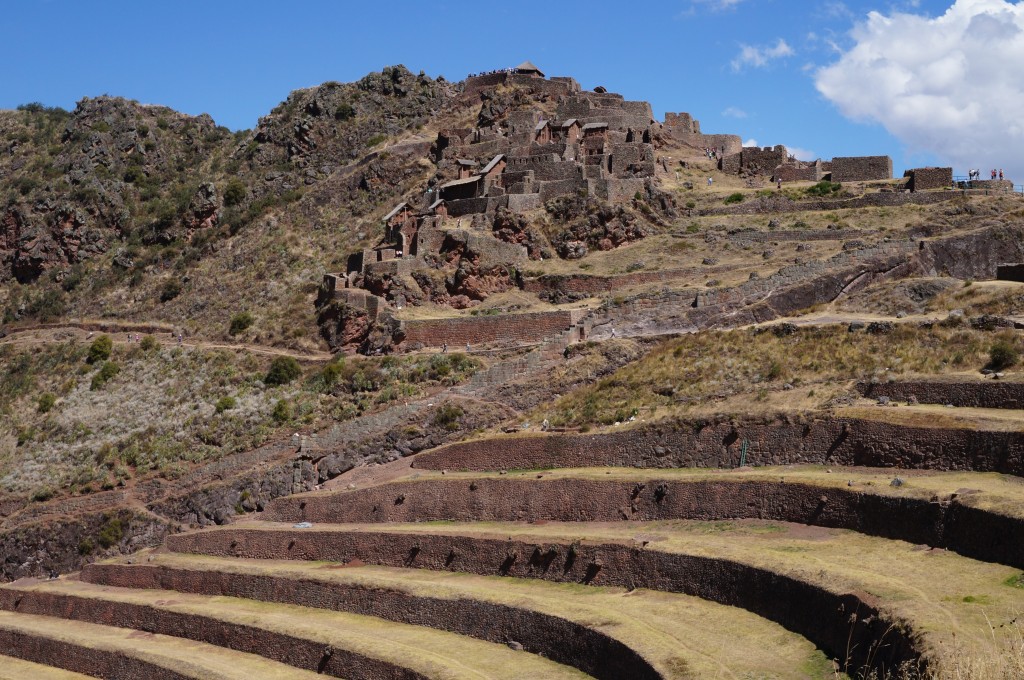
(158, 416)
(426, 651)
(176, 655)
(964, 609)
(752, 368)
(667, 629)
(999, 493)
(16, 669)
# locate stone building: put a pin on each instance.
(922, 179)
(861, 168)
(684, 128)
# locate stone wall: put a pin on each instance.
(508, 329)
(830, 615)
(922, 179)
(861, 168)
(689, 444)
(1010, 272)
(977, 393)
(754, 160)
(557, 638)
(588, 284)
(523, 202)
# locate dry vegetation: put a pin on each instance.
(670, 630)
(166, 408)
(770, 366)
(969, 623)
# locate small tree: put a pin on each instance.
(225, 404)
(171, 290)
(106, 372)
(282, 412)
(234, 193)
(46, 402)
(282, 371)
(100, 349)
(1002, 355)
(240, 322)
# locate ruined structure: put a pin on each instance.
(683, 128)
(861, 168)
(776, 163)
(922, 179)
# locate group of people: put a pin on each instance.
(976, 174)
(711, 152)
(491, 73)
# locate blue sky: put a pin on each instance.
(749, 67)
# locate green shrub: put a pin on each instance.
(46, 402)
(85, 547)
(282, 412)
(240, 322)
(110, 533)
(375, 140)
(447, 416)
(100, 349)
(1002, 355)
(344, 111)
(149, 343)
(282, 371)
(225, 404)
(824, 188)
(332, 373)
(171, 290)
(234, 193)
(106, 372)
(42, 494)
(734, 198)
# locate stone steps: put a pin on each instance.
(356, 646)
(116, 653)
(980, 516)
(605, 632)
(879, 602)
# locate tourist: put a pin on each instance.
(1000, 174)
(444, 348)
(778, 183)
(710, 181)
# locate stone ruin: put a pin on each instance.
(776, 163)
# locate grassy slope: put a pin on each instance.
(160, 414)
(431, 652)
(971, 618)
(672, 631)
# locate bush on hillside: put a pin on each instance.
(240, 322)
(824, 188)
(225, 404)
(106, 372)
(46, 402)
(282, 371)
(282, 412)
(734, 198)
(1002, 355)
(100, 349)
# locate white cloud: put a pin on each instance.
(751, 142)
(718, 5)
(760, 56)
(801, 154)
(948, 85)
(734, 112)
